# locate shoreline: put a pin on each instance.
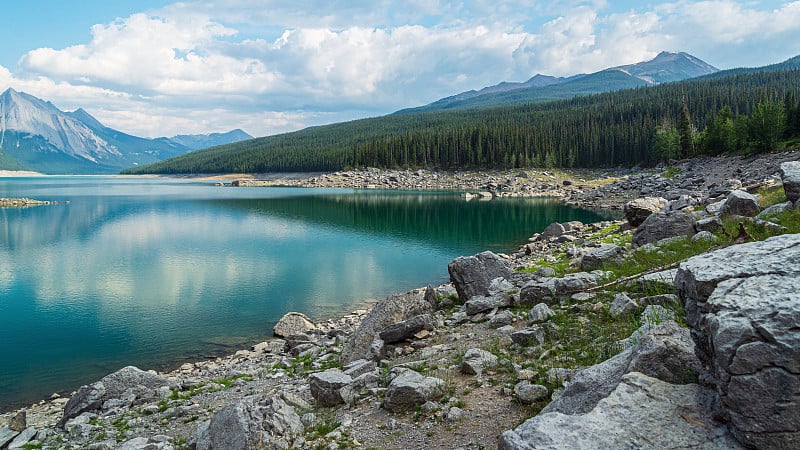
(615, 192)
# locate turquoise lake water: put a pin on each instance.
(156, 272)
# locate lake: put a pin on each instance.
(156, 272)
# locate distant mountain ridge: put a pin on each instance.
(36, 135)
(665, 67)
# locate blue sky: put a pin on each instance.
(156, 67)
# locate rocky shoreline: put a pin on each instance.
(23, 202)
(516, 346)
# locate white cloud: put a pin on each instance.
(268, 66)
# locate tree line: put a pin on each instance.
(624, 128)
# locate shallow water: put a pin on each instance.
(155, 272)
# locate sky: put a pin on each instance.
(160, 68)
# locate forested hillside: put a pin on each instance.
(611, 129)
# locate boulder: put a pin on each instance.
(538, 291)
(392, 309)
(529, 336)
(775, 209)
(622, 305)
(293, 323)
(472, 275)
(476, 360)
(711, 224)
(665, 352)
(661, 225)
(406, 329)
(479, 304)
(598, 257)
(7, 435)
(740, 203)
(540, 313)
(574, 282)
(253, 422)
(409, 389)
(636, 211)
(725, 188)
(528, 393)
(790, 175)
(743, 305)
(135, 385)
(23, 438)
(326, 386)
(555, 229)
(641, 412)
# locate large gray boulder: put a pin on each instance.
(743, 304)
(740, 203)
(125, 387)
(409, 389)
(472, 275)
(790, 175)
(641, 412)
(598, 257)
(293, 323)
(392, 309)
(538, 291)
(662, 225)
(326, 387)
(574, 282)
(253, 422)
(406, 329)
(636, 211)
(665, 352)
(476, 360)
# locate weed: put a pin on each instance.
(227, 383)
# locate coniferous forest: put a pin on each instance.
(743, 111)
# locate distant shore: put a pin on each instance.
(20, 173)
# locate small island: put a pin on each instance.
(23, 202)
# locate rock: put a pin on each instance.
(665, 352)
(775, 209)
(659, 280)
(641, 412)
(711, 224)
(574, 282)
(137, 386)
(250, 423)
(502, 318)
(553, 230)
(475, 360)
(326, 386)
(790, 175)
(529, 336)
(600, 256)
(359, 367)
(725, 188)
(623, 305)
(479, 304)
(661, 300)
(704, 236)
(409, 389)
(661, 225)
(743, 305)
(538, 291)
(528, 393)
(406, 329)
(740, 203)
(472, 275)
(7, 435)
(392, 309)
(636, 211)
(540, 313)
(431, 297)
(293, 323)
(23, 438)
(19, 422)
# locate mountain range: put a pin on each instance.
(36, 135)
(665, 67)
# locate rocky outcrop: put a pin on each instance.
(472, 275)
(254, 422)
(662, 225)
(743, 305)
(392, 309)
(636, 211)
(790, 175)
(293, 323)
(640, 412)
(665, 352)
(123, 388)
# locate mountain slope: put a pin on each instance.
(665, 67)
(603, 129)
(35, 135)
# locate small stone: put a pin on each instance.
(476, 360)
(540, 313)
(528, 393)
(622, 305)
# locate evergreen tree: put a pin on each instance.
(766, 125)
(685, 131)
